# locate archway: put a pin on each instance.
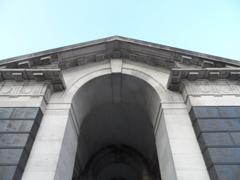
(116, 115)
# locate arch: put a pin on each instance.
(156, 78)
(112, 158)
(100, 92)
(114, 80)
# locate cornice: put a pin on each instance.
(53, 76)
(212, 74)
(116, 47)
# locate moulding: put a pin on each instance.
(53, 76)
(178, 75)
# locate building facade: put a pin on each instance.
(119, 109)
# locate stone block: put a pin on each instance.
(16, 125)
(13, 157)
(13, 140)
(236, 138)
(16, 141)
(18, 128)
(225, 172)
(209, 112)
(229, 111)
(213, 125)
(205, 112)
(216, 129)
(214, 139)
(10, 173)
(25, 113)
(222, 156)
(5, 113)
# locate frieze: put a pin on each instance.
(204, 87)
(28, 88)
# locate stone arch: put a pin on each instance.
(136, 70)
(116, 109)
(155, 80)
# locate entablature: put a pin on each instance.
(53, 76)
(178, 75)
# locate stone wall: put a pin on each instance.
(217, 129)
(18, 128)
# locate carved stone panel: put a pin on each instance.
(207, 87)
(13, 88)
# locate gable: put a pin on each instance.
(116, 47)
(184, 64)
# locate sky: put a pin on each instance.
(207, 26)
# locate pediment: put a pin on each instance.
(48, 64)
(117, 47)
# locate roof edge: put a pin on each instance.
(124, 39)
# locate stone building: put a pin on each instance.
(119, 109)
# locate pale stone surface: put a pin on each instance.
(59, 126)
(211, 93)
(66, 158)
(24, 94)
(225, 100)
(186, 155)
(52, 76)
(116, 65)
(45, 153)
(165, 158)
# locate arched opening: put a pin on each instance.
(116, 117)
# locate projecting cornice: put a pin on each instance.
(116, 47)
(53, 76)
(177, 75)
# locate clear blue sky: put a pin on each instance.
(208, 26)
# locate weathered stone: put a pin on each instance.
(13, 157)
(5, 113)
(53, 76)
(236, 138)
(17, 132)
(205, 112)
(24, 113)
(208, 73)
(16, 141)
(217, 129)
(213, 125)
(222, 156)
(16, 125)
(10, 173)
(229, 112)
(214, 140)
(13, 140)
(225, 172)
